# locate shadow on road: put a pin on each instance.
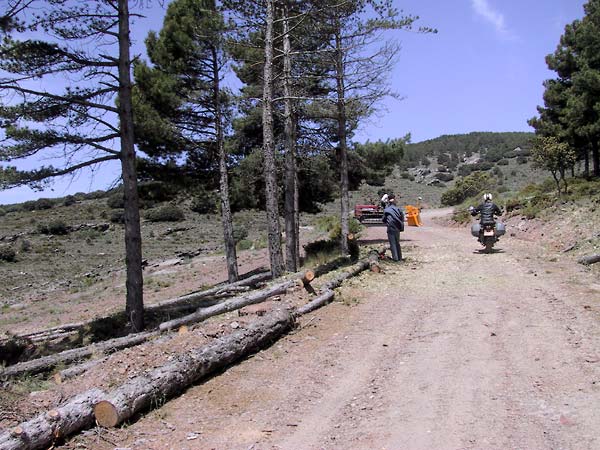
(481, 251)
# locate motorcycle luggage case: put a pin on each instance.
(500, 229)
(476, 228)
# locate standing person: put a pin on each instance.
(393, 217)
(384, 200)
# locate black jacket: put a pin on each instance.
(487, 210)
(393, 217)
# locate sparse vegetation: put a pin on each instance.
(166, 213)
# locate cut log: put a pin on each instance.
(337, 281)
(307, 277)
(140, 393)
(326, 292)
(55, 330)
(316, 303)
(43, 430)
(194, 297)
(589, 260)
(374, 261)
(48, 362)
(230, 305)
(71, 372)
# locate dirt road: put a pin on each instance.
(452, 349)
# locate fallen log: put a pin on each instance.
(48, 362)
(71, 372)
(374, 261)
(140, 393)
(230, 305)
(326, 292)
(337, 281)
(193, 297)
(46, 428)
(589, 260)
(58, 329)
(316, 303)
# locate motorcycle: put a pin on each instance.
(487, 234)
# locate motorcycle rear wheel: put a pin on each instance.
(488, 244)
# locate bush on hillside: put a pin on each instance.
(204, 202)
(503, 162)
(167, 213)
(466, 187)
(332, 225)
(116, 201)
(55, 227)
(7, 253)
(38, 205)
(69, 200)
(117, 216)
(444, 176)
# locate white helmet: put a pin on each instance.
(487, 197)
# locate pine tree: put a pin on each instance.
(72, 117)
(571, 109)
(181, 106)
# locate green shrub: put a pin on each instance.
(38, 205)
(444, 176)
(167, 213)
(69, 200)
(405, 175)
(521, 160)
(116, 201)
(245, 244)
(469, 186)
(580, 187)
(117, 216)
(2, 212)
(204, 203)
(503, 162)
(333, 226)
(7, 253)
(240, 233)
(461, 215)
(54, 227)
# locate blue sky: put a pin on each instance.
(482, 71)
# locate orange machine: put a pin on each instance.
(413, 216)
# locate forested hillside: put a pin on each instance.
(492, 146)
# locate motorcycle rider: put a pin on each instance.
(487, 209)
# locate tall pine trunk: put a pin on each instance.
(133, 237)
(229, 241)
(291, 236)
(343, 146)
(270, 171)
